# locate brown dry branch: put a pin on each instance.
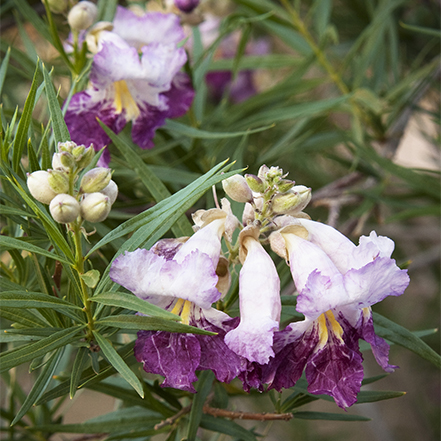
(239, 415)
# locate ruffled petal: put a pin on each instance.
(172, 355)
(336, 370)
(152, 27)
(180, 96)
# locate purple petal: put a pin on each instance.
(145, 125)
(180, 96)
(174, 356)
(251, 376)
(284, 370)
(243, 87)
(336, 370)
(380, 348)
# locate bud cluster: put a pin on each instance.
(267, 195)
(56, 187)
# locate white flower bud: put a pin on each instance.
(59, 181)
(82, 15)
(236, 188)
(39, 187)
(66, 146)
(95, 207)
(95, 180)
(62, 161)
(111, 191)
(85, 158)
(296, 199)
(64, 208)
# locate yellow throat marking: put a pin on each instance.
(124, 100)
(182, 308)
(327, 322)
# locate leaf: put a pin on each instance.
(91, 278)
(26, 300)
(40, 385)
(77, 370)
(23, 125)
(130, 301)
(401, 336)
(118, 363)
(61, 132)
(39, 348)
(139, 322)
(182, 129)
(23, 317)
(329, 416)
(8, 243)
(370, 396)
(422, 30)
(228, 427)
(203, 388)
(4, 68)
(153, 184)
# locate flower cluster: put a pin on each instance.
(135, 76)
(55, 187)
(337, 283)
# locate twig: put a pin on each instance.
(169, 421)
(246, 415)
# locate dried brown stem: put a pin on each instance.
(238, 415)
(172, 419)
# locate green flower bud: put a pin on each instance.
(63, 161)
(236, 188)
(78, 151)
(293, 201)
(39, 187)
(66, 146)
(255, 183)
(111, 191)
(285, 185)
(59, 181)
(64, 208)
(86, 158)
(95, 180)
(82, 16)
(95, 207)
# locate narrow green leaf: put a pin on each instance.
(329, 416)
(228, 427)
(23, 125)
(370, 396)
(153, 184)
(401, 336)
(23, 317)
(130, 301)
(118, 363)
(203, 387)
(11, 243)
(422, 30)
(149, 324)
(77, 370)
(38, 349)
(4, 68)
(61, 132)
(181, 129)
(40, 385)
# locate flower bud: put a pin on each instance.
(95, 207)
(255, 183)
(285, 185)
(236, 188)
(95, 180)
(64, 208)
(63, 161)
(296, 199)
(57, 6)
(39, 187)
(78, 151)
(82, 15)
(111, 191)
(66, 146)
(186, 6)
(86, 158)
(59, 181)
(263, 170)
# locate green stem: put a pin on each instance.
(79, 266)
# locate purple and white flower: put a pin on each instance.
(180, 276)
(135, 76)
(338, 283)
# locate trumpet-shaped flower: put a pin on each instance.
(134, 77)
(180, 276)
(338, 283)
(259, 297)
